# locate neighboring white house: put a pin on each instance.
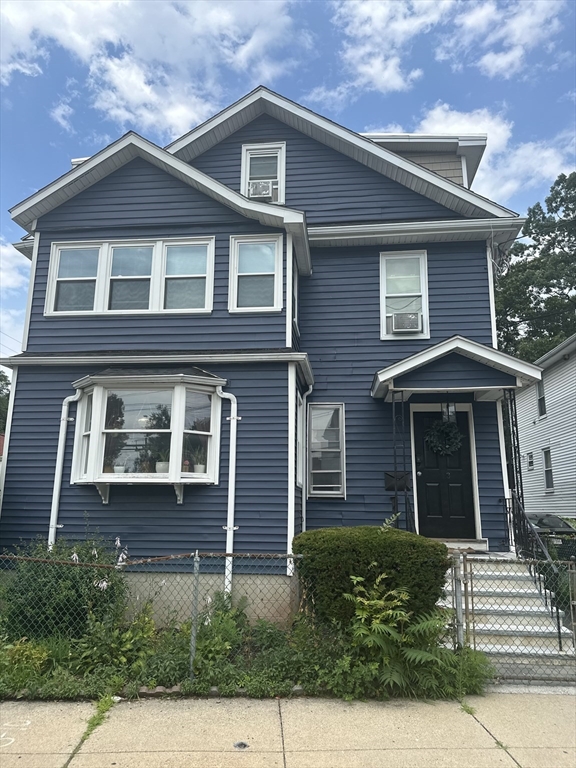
(547, 432)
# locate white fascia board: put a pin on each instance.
(177, 378)
(566, 347)
(301, 358)
(501, 230)
(132, 145)
(25, 247)
(380, 159)
(527, 372)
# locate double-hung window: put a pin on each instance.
(255, 273)
(163, 431)
(173, 275)
(404, 295)
(326, 450)
(541, 398)
(548, 477)
(263, 172)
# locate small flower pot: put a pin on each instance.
(119, 470)
(200, 468)
(162, 467)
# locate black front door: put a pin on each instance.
(444, 483)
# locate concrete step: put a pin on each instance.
(497, 602)
(509, 643)
(503, 578)
(514, 629)
(496, 590)
(559, 669)
(519, 619)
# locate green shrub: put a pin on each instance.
(51, 600)
(332, 555)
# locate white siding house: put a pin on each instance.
(547, 431)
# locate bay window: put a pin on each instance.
(143, 430)
(172, 275)
(326, 450)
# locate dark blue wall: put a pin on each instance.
(455, 370)
(328, 186)
(177, 211)
(147, 518)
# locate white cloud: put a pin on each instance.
(156, 65)
(14, 269)
(507, 167)
(12, 325)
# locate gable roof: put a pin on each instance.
(526, 372)
(261, 100)
(130, 146)
(560, 352)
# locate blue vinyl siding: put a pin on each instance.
(455, 370)
(328, 186)
(490, 483)
(147, 518)
(194, 215)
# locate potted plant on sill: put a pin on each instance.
(199, 459)
(162, 461)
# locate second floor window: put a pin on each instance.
(255, 273)
(131, 276)
(404, 295)
(541, 398)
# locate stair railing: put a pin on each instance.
(530, 546)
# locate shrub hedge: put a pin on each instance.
(333, 555)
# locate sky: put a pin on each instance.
(77, 74)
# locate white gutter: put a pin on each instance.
(230, 527)
(60, 466)
(305, 467)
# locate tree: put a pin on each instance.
(536, 292)
(4, 397)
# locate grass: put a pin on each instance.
(467, 708)
(103, 706)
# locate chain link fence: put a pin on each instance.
(521, 613)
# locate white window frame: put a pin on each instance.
(95, 470)
(541, 398)
(341, 494)
(530, 461)
(278, 148)
(104, 276)
(385, 256)
(548, 452)
(235, 242)
(300, 440)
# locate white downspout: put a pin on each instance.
(305, 464)
(230, 527)
(60, 466)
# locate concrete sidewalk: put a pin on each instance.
(505, 729)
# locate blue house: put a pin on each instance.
(272, 324)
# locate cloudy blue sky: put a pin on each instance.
(76, 74)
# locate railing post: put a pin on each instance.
(194, 612)
(457, 571)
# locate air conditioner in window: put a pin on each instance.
(406, 322)
(260, 188)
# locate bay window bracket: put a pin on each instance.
(179, 491)
(104, 491)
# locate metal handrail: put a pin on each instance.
(530, 546)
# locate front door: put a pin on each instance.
(444, 483)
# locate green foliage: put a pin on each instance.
(332, 555)
(102, 707)
(42, 600)
(220, 634)
(107, 643)
(536, 294)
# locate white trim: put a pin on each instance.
(130, 146)
(501, 230)
(277, 148)
(291, 462)
(491, 294)
(103, 277)
(423, 258)
(464, 171)
(436, 407)
(326, 494)
(8, 430)
(363, 150)
(502, 444)
(246, 357)
(31, 284)
(289, 290)
(235, 242)
(300, 440)
(547, 449)
(527, 372)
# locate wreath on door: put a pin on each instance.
(443, 437)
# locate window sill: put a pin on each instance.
(103, 486)
(255, 310)
(404, 336)
(120, 312)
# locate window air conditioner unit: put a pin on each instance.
(406, 322)
(260, 188)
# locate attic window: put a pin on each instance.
(263, 172)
